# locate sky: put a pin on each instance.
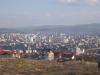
(23, 13)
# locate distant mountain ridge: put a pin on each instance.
(8, 30)
(56, 28)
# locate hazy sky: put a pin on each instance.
(18, 13)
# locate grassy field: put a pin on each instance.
(30, 67)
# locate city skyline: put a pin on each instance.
(20, 13)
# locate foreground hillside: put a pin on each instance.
(30, 67)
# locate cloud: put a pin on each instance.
(81, 2)
(25, 19)
(67, 1)
(50, 18)
(93, 2)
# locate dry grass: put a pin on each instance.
(29, 67)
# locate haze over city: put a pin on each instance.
(23, 13)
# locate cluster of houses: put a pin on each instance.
(37, 45)
(43, 55)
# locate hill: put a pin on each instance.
(56, 28)
(33, 67)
